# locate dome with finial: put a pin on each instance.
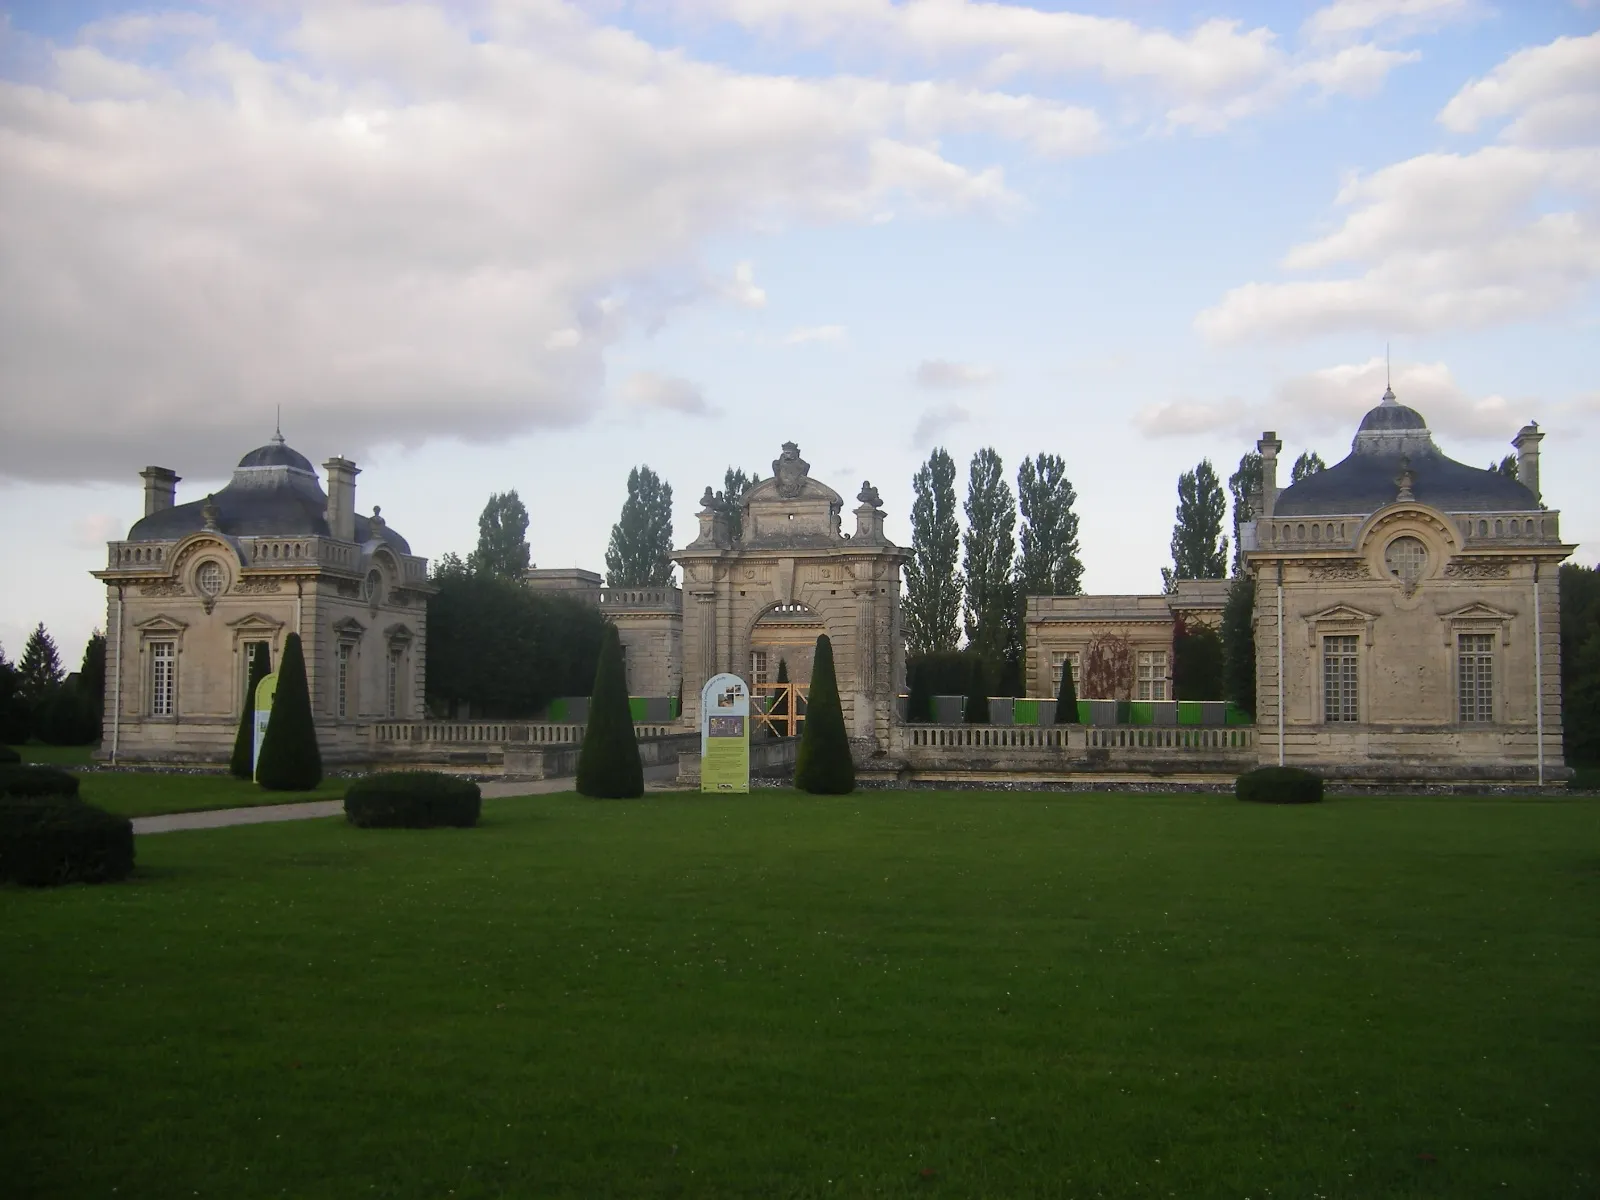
(1391, 414)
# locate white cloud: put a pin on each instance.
(814, 333)
(402, 226)
(1331, 402)
(936, 373)
(647, 389)
(1346, 17)
(1455, 241)
(94, 530)
(934, 423)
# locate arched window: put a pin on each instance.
(209, 577)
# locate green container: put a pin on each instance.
(1085, 713)
(1141, 712)
(557, 711)
(1189, 712)
(1025, 712)
(673, 708)
(1238, 716)
(637, 709)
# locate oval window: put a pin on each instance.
(209, 577)
(1407, 559)
(373, 585)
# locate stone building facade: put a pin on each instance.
(196, 589)
(793, 560)
(1407, 613)
(1059, 629)
(649, 623)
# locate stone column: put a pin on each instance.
(863, 686)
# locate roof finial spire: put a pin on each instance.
(1388, 389)
(277, 432)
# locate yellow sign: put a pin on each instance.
(725, 735)
(265, 691)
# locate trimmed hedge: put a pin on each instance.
(290, 760)
(8, 755)
(1279, 785)
(412, 800)
(823, 765)
(28, 779)
(50, 840)
(608, 764)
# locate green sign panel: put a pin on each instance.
(265, 691)
(725, 735)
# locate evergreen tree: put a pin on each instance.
(991, 614)
(640, 553)
(290, 760)
(40, 669)
(608, 764)
(1048, 564)
(242, 764)
(1239, 644)
(919, 700)
(1197, 663)
(1580, 663)
(1507, 466)
(1067, 696)
(1201, 509)
(1243, 484)
(1308, 464)
(92, 682)
(823, 765)
(14, 729)
(932, 604)
(780, 705)
(977, 705)
(502, 538)
(734, 485)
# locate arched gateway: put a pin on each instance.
(791, 551)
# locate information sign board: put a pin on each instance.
(265, 690)
(725, 735)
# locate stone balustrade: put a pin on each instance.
(498, 733)
(1061, 753)
(663, 599)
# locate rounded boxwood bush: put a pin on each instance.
(28, 779)
(412, 800)
(8, 755)
(1279, 785)
(50, 840)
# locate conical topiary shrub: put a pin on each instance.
(290, 760)
(242, 765)
(779, 713)
(823, 765)
(1067, 698)
(608, 764)
(977, 693)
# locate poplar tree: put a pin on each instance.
(640, 553)
(735, 483)
(1507, 466)
(1049, 563)
(1309, 463)
(502, 538)
(991, 544)
(932, 603)
(1243, 483)
(1196, 552)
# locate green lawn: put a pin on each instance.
(56, 756)
(144, 793)
(906, 994)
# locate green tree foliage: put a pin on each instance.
(780, 701)
(1507, 466)
(640, 553)
(1067, 696)
(506, 651)
(1243, 484)
(991, 622)
(735, 483)
(1048, 564)
(937, 673)
(14, 724)
(1309, 463)
(1196, 552)
(608, 765)
(1580, 663)
(932, 605)
(823, 765)
(977, 707)
(92, 679)
(1239, 644)
(241, 764)
(1197, 670)
(290, 758)
(502, 538)
(40, 669)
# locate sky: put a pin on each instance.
(531, 244)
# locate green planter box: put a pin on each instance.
(1141, 712)
(1025, 712)
(1189, 712)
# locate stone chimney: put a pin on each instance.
(341, 498)
(1268, 448)
(160, 488)
(1527, 444)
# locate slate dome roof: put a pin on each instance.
(1393, 438)
(274, 493)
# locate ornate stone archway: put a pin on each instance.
(792, 550)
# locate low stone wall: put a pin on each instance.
(770, 758)
(1059, 753)
(555, 762)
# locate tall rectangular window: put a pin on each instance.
(1475, 676)
(1152, 675)
(758, 666)
(163, 677)
(342, 679)
(394, 680)
(1339, 679)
